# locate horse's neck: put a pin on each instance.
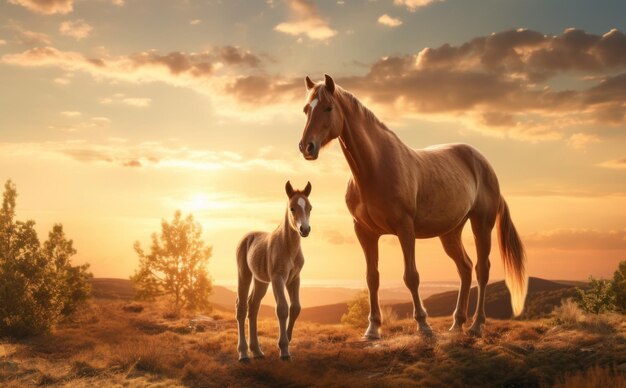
(289, 237)
(363, 142)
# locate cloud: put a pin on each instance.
(578, 239)
(93, 122)
(500, 83)
(306, 20)
(387, 20)
(68, 113)
(46, 7)
(264, 90)
(29, 38)
(413, 5)
(77, 29)
(176, 68)
(615, 163)
(579, 141)
(138, 102)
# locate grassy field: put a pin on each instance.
(120, 343)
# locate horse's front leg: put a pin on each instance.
(369, 243)
(293, 289)
(282, 312)
(406, 235)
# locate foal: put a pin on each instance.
(277, 258)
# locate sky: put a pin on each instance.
(115, 113)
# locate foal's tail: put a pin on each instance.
(513, 257)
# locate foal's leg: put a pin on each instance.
(258, 292)
(369, 244)
(406, 235)
(482, 235)
(282, 311)
(453, 246)
(293, 289)
(243, 286)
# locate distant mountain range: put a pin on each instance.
(327, 304)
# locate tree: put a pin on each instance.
(598, 297)
(619, 287)
(358, 310)
(38, 285)
(176, 265)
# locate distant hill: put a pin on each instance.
(497, 304)
(107, 288)
(543, 296)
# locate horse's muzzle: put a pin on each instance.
(311, 150)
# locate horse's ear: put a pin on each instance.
(308, 83)
(330, 83)
(307, 189)
(289, 189)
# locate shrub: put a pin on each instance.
(358, 310)
(619, 287)
(38, 284)
(568, 313)
(598, 298)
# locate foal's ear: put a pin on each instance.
(308, 83)
(330, 83)
(307, 189)
(289, 189)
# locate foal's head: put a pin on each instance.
(299, 208)
(324, 117)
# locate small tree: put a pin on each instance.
(175, 265)
(358, 310)
(619, 287)
(598, 297)
(38, 285)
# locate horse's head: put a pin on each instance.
(299, 208)
(324, 119)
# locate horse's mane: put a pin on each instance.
(350, 102)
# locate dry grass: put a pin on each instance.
(109, 345)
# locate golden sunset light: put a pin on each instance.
(114, 114)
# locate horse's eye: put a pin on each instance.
(291, 209)
(328, 109)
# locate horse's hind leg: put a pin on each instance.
(453, 246)
(481, 228)
(244, 279)
(258, 292)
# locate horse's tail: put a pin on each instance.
(513, 257)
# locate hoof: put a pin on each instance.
(456, 328)
(476, 330)
(285, 358)
(424, 329)
(259, 356)
(370, 337)
(244, 360)
(372, 333)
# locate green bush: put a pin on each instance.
(605, 295)
(619, 287)
(358, 310)
(38, 284)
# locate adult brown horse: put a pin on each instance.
(413, 194)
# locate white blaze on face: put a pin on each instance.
(302, 203)
(313, 104)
